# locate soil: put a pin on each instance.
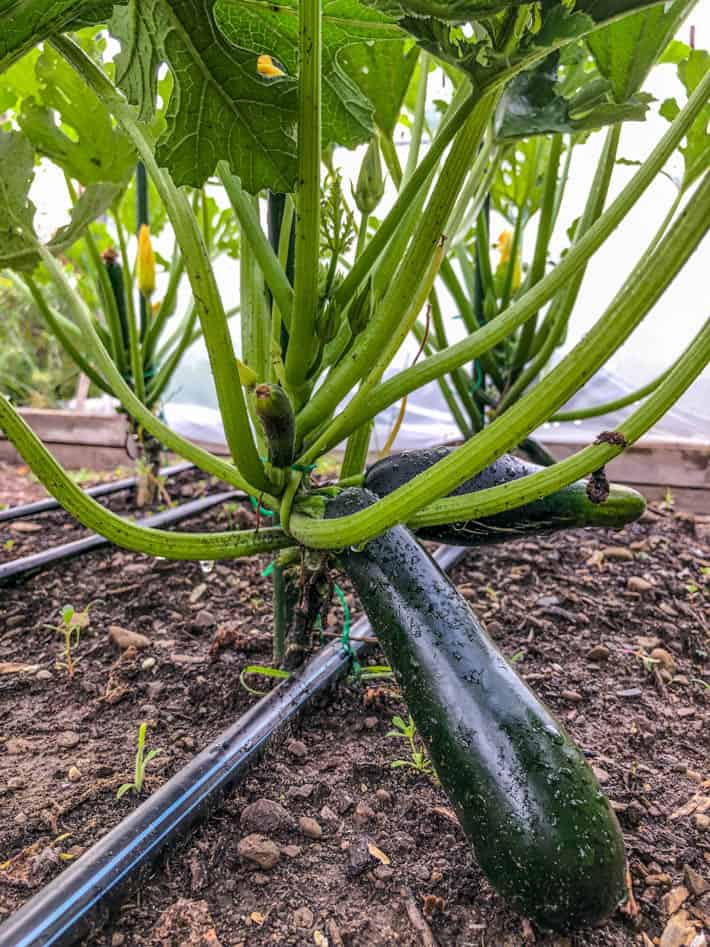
(581, 614)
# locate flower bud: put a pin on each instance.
(370, 181)
(145, 269)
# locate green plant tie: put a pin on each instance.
(478, 380)
(345, 638)
(303, 468)
(259, 508)
(269, 569)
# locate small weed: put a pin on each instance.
(419, 758)
(8, 545)
(230, 509)
(70, 628)
(518, 656)
(142, 760)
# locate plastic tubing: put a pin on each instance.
(18, 568)
(76, 901)
(101, 490)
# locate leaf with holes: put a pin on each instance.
(220, 108)
(273, 28)
(17, 237)
(84, 141)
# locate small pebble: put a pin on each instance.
(297, 748)
(363, 814)
(599, 652)
(148, 664)
(124, 638)
(303, 917)
(74, 775)
(259, 850)
(309, 827)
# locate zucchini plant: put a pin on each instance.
(328, 295)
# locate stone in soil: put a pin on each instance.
(265, 817)
(259, 850)
(297, 749)
(124, 638)
(310, 828)
(303, 918)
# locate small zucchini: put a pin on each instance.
(275, 411)
(566, 509)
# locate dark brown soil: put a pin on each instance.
(569, 610)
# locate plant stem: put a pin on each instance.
(122, 532)
(542, 242)
(642, 289)
(460, 109)
(305, 304)
(418, 123)
(199, 270)
(356, 450)
(396, 303)
(507, 322)
(561, 310)
(541, 484)
(274, 273)
(608, 406)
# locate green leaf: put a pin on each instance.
(696, 150)
(220, 108)
(17, 237)
(503, 39)
(533, 105)
(383, 72)
(84, 142)
(27, 22)
(273, 28)
(518, 184)
(16, 210)
(625, 50)
(122, 790)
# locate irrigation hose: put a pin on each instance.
(101, 490)
(18, 568)
(76, 900)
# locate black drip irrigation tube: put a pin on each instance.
(17, 568)
(101, 490)
(78, 899)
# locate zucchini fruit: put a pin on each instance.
(275, 411)
(543, 832)
(567, 508)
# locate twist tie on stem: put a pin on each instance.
(345, 638)
(259, 508)
(303, 468)
(269, 569)
(478, 380)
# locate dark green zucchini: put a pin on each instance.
(275, 411)
(567, 508)
(542, 830)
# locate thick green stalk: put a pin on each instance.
(642, 289)
(542, 242)
(539, 485)
(274, 273)
(448, 395)
(308, 196)
(110, 304)
(122, 532)
(355, 458)
(558, 316)
(615, 405)
(167, 306)
(561, 310)
(417, 127)
(199, 270)
(417, 259)
(167, 369)
(61, 329)
(460, 109)
(389, 153)
(172, 441)
(383, 357)
(522, 309)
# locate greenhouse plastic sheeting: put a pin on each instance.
(427, 419)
